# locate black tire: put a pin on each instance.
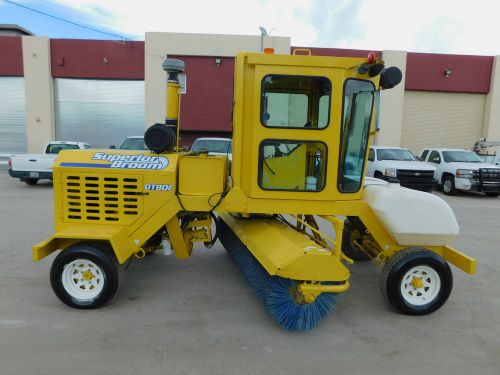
(493, 195)
(416, 300)
(449, 185)
(67, 286)
(31, 181)
(350, 232)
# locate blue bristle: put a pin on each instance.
(254, 273)
(275, 291)
(291, 315)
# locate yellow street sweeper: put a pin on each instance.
(301, 129)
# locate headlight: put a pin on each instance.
(464, 173)
(391, 172)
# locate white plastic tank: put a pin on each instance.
(412, 217)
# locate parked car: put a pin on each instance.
(214, 146)
(30, 168)
(135, 142)
(388, 163)
(463, 170)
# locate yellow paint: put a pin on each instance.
(173, 98)
(139, 254)
(285, 252)
(417, 283)
(209, 177)
(87, 275)
(285, 172)
(182, 248)
(321, 288)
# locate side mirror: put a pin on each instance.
(436, 160)
(112, 146)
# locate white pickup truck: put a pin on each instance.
(399, 164)
(30, 168)
(463, 170)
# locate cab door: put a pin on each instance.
(294, 127)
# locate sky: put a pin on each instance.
(438, 26)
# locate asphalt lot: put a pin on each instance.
(198, 316)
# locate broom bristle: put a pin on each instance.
(253, 271)
(275, 291)
(291, 315)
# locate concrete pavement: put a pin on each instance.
(199, 316)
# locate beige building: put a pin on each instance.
(72, 88)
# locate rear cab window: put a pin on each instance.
(56, 148)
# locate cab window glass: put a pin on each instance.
(292, 165)
(56, 148)
(357, 111)
(424, 154)
(434, 157)
(295, 102)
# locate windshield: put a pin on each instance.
(133, 144)
(54, 149)
(358, 104)
(395, 154)
(460, 156)
(212, 145)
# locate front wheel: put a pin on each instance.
(449, 185)
(493, 195)
(85, 276)
(416, 281)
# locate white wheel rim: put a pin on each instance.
(447, 186)
(82, 279)
(420, 292)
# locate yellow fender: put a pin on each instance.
(115, 236)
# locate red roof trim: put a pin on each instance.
(11, 62)
(105, 59)
(426, 72)
(339, 52)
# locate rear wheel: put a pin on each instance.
(31, 181)
(416, 281)
(85, 276)
(350, 234)
(449, 185)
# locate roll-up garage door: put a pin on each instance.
(437, 119)
(12, 115)
(99, 112)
